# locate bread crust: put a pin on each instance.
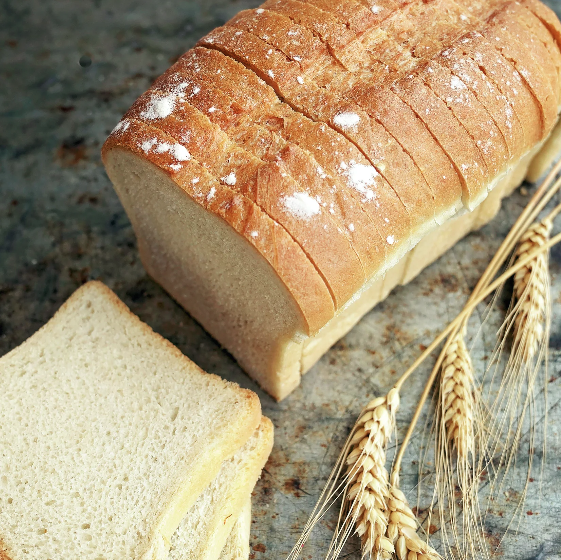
(509, 82)
(273, 242)
(497, 104)
(473, 117)
(401, 121)
(270, 184)
(381, 149)
(435, 100)
(451, 136)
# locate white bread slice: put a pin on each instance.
(108, 435)
(237, 545)
(205, 529)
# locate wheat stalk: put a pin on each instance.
(368, 477)
(402, 528)
(530, 288)
(456, 456)
(377, 544)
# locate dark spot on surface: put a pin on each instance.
(85, 61)
(14, 202)
(299, 430)
(80, 276)
(433, 529)
(105, 95)
(85, 197)
(259, 547)
(138, 292)
(293, 485)
(66, 108)
(12, 43)
(494, 542)
(449, 282)
(422, 347)
(71, 152)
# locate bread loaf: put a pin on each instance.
(303, 159)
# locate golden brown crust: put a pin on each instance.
(436, 97)
(272, 241)
(296, 42)
(323, 24)
(454, 140)
(470, 113)
(509, 82)
(497, 104)
(513, 42)
(381, 149)
(399, 119)
(351, 13)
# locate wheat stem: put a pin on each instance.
(451, 330)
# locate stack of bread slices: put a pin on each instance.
(309, 155)
(114, 445)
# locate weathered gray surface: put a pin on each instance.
(61, 224)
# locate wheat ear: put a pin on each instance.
(457, 396)
(367, 475)
(456, 456)
(402, 528)
(530, 288)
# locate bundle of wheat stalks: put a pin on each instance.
(469, 434)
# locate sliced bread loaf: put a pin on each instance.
(108, 435)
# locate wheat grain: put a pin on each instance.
(457, 396)
(402, 528)
(367, 475)
(530, 288)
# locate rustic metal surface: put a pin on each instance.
(68, 70)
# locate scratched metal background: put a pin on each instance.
(61, 224)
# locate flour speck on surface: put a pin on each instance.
(346, 120)
(361, 177)
(229, 179)
(390, 239)
(159, 107)
(301, 205)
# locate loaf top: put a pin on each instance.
(107, 435)
(354, 126)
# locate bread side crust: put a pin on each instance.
(237, 545)
(272, 242)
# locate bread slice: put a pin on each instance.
(237, 544)
(108, 435)
(204, 531)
